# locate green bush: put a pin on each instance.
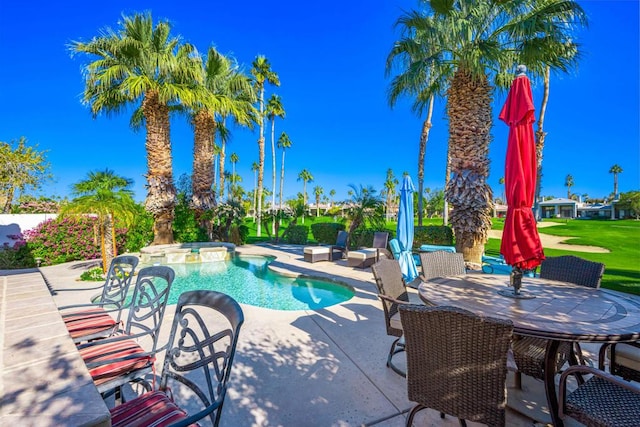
(326, 232)
(93, 275)
(140, 233)
(185, 226)
(432, 235)
(297, 235)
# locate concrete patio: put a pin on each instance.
(308, 368)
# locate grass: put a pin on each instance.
(621, 238)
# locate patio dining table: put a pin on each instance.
(558, 312)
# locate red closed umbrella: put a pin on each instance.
(520, 245)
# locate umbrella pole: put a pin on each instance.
(516, 280)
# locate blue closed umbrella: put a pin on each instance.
(405, 230)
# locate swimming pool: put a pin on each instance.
(249, 281)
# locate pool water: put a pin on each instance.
(249, 281)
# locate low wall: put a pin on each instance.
(12, 224)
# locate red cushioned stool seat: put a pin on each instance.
(150, 409)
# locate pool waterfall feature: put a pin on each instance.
(182, 253)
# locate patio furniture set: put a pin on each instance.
(461, 341)
(203, 338)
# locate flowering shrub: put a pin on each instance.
(16, 255)
(64, 239)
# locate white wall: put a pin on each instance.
(19, 223)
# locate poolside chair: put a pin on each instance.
(624, 359)
(396, 248)
(342, 244)
(456, 363)
(392, 291)
(603, 400)
(200, 353)
(380, 241)
(441, 264)
(121, 358)
(529, 352)
(86, 322)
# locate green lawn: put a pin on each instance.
(621, 238)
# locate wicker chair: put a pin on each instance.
(528, 352)
(193, 384)
(91, 321)
(441, 263)
(456, 362)
(604, 400)
(624, 359)
(392, 291)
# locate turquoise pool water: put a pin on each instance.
(249, 281)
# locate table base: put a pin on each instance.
(520, 295)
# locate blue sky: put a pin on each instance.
(330, 58)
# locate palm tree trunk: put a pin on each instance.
(161, 192)
(260, 165)
(223, 146)
(469, 111)
(424, 137)
(202, 197)
(540, 137)
(273, 174)
(282, 179)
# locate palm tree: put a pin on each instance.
(568, 182)
(262, 73)
(615, 170)
(254, 169)
(142, 64)
(234, 159)
(109, 196)
(501, 182)
(274, 109)
(366, 208)
(332, 194)
(478, 40)
(423, 83)
(390, 190)
(229, 94)
(304, 176)
(284, 143)
(318, 192)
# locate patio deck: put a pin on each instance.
(308, 368)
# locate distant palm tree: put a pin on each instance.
(318, 192)
(332, 194)
(615, 170)
(262, 73)
(304, 176)
(390, 190)
(254, 168)
(501, 182)
(274, 109)
(234, 159)
(108, 196)
(568, 182)
(142, 64)
(284, 143)
(366, 208)
(422, 83)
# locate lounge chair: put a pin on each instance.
(396, 248)
(366, 256)
(328, 252)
